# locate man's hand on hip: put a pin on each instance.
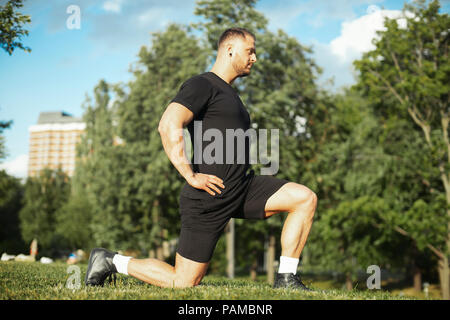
(206, 182)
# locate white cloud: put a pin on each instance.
(152, 15)
(357, 35)
(17, 167)
(340, 72)
(336, 58)
(113, 6)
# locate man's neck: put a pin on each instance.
(224, 73)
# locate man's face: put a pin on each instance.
(244, 55)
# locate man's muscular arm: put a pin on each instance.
(171, 125)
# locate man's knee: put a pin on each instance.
(313, 198)
(309, 203)
(303, 197)
(188, 273)
(187, 281)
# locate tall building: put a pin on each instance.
(53, 142)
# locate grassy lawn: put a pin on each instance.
(36, 281)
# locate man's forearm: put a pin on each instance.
(173, 142)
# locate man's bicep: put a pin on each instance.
(176, 114)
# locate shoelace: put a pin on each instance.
(109, 277)
(299, 281)
(112, 275)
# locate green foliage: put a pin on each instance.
(223, 14)
(381, 200)
(364, 173)
(72, 223)
(11, 193)
(43, 196)
(426, 222)
(409, 69)
(95, 180)
(3, 125)
(351, 232)
(407, 77)
(11, 26)
(348, 173)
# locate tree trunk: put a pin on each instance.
(445, 177)
(348, 281)
(444, 278)
(271, 259)
(160, 253)
(417, 276)
(443, 266)
(253, 269)
(230, 249)
(158, 241)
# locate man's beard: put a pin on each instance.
(242, 72)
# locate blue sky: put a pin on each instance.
(65, 64)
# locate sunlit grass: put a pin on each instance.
(33, 280)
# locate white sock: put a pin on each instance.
(288, 265)
(121, 263)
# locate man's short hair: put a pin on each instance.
(234, 32)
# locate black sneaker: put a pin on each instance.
(100, 266)
(289, 280)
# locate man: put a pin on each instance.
(216, 192)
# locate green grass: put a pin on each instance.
(36, 281)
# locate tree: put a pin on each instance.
(221, 15)
(365, 158)
(3, 125)
(11, 26)
(11, 193)
(73, 222)
(412, 203)
(347, 174)
(407, 74)
(96, 181)
(44, 196)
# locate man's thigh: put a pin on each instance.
(260, 190)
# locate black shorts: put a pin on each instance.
(204, 218)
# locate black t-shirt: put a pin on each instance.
(216, 106)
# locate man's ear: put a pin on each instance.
(229, 49)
